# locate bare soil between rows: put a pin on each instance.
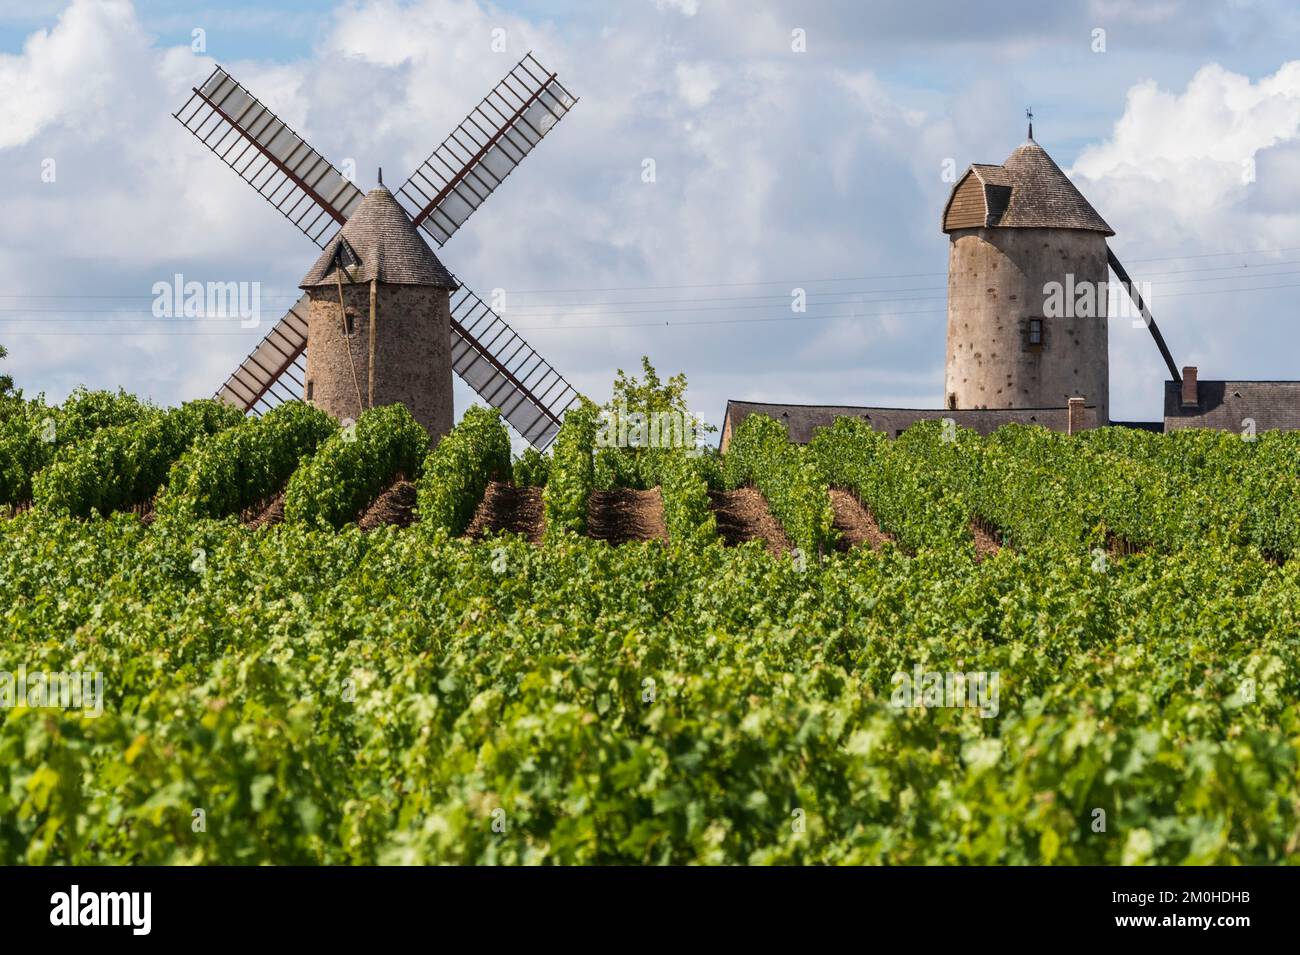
(987, 542)
(396, 506)
(855, 524)
(624, 515)
(743, 515)
(265, 515)
(508, 508)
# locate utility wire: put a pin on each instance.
(792, 282)
(691, 304)
(43, 328)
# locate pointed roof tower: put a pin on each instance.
(380, 242)
(1028, 191)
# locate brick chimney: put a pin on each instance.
(1074, 420)
(1191, 396)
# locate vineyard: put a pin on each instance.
(474, 677)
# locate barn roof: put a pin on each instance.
(379, 241)
(1225, 406)
(802, 421)
(1029, 191)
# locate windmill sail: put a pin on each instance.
(484, 149)
(444, 191)
(487, 353)
(273, 371)
(506, 372)
(269, 156)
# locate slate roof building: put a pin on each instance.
(1241, 406)
(1028, 191)
(1013, 229)
(380, 243)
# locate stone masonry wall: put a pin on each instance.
(996, 280)
(412, 353)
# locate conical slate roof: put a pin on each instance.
(1029, 191)
(380, 241)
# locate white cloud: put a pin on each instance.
(70, 73)
(771, 166)
(883, 110)
(1183, 157)
(697, 82)
(1209, 167)
(746, 186)
(687, 8)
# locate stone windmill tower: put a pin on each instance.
(382, 321)
(379, 319)
(1013, 229)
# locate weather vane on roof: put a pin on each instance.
(1029, 114)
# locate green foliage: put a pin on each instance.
(6, 381)
(644, 418)
(354, 465)
(86, 412)
(1244, 489)
(572, 476)
(246, 464)
(344, 698)
(458, 469)
(649, 394)
(1041, 487)
(31, 432)
(914, 486)
(708, 465)
(636, 468)
(531, 469)
(687, 508)
(760, 454)
(26, 446)
(124, 465)
(1113, 487)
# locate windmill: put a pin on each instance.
(439, 196)
(1016, 230)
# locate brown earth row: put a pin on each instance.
(508, 508)
(624, 515)
(855, 524)
(743, 515)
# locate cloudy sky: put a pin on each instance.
(774, 168)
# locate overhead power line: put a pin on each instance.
(632, 307)
(43, 327)
(769, 282)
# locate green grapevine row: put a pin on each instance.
(687, 508)
(32, 432)
(760, 454)
(244, 465)
(354, 465)
(124, 465)
(1247, 488)
(572, 477)
(1039, 488)
(333, 698)
(909, 484)
(531, 469)
(458, 469)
